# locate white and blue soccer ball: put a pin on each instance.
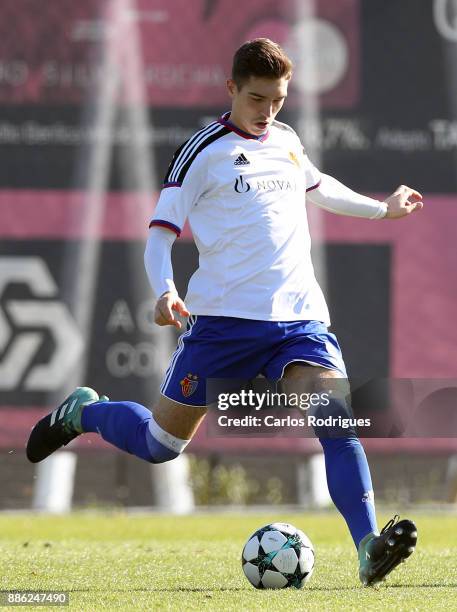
(278, 556)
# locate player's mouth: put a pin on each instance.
(261, 125)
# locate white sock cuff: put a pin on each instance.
(168, 440)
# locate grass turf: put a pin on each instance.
(118, 561)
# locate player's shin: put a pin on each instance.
(130, 427)
(349, 484)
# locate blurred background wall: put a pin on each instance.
(95, 97)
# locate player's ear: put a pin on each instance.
(231, 87)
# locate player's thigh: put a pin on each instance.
(331, 396)
(179, 420)
(301, 378)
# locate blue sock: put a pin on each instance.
(126, 425)
(349, 484)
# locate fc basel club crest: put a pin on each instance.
(189, 384)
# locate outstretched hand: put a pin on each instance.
(403, 202)
(166, 304)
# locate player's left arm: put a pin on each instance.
(333, 196)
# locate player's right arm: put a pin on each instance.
(182, 188)
(157, 261)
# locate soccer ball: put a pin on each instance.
(278, 556)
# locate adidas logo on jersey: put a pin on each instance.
(241, 160)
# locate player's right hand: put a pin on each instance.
(166, 304)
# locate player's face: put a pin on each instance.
(257, 103)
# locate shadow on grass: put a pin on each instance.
(378, 588)
(381, 587)
(433, 585)
(160, 590)
(201, 590)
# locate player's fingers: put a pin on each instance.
(412, 194)
(400, 189)
(415, 196)
(411, 207)
(159, 318)
(162, 322)
(164, 316)
(180, 307)
(400, 196)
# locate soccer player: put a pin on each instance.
(253, 306)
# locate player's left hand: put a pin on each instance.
(403, 202)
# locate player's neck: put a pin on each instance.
(237, 125)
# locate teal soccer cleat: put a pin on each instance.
(60, 426)
(380, 554)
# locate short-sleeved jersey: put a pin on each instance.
(244, 197)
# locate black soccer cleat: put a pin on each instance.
(379, 555)
(61, 426)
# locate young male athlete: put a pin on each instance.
(254, 305)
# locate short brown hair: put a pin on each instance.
(260, 57)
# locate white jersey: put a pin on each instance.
(244, 197)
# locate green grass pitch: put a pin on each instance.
(153, 562)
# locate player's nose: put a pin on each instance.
(267, 111)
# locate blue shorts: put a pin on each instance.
(229, 347)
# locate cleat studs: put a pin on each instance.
(399, 531)
(411, 549)
(390, 542)
(413, 535)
